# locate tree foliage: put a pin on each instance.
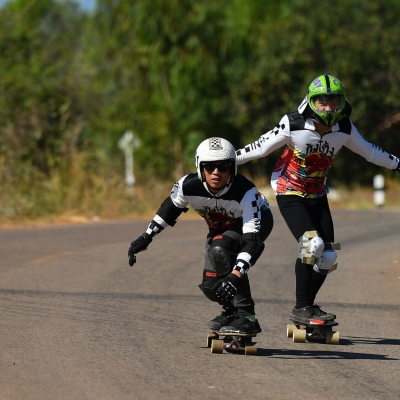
(42, 101)
(176, 72)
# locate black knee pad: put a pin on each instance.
(223, 251)
(210, 278)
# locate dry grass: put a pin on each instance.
(78, 197)
(352, 199)
(363, 198)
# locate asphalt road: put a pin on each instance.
(78, 323)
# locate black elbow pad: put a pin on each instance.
(169, 212)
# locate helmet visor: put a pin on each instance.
(334, 101)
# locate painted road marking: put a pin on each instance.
(51, 257)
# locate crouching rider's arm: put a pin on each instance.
(166, 215)
(250, 251)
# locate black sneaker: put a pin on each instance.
(223, 319)
(304, 314)
(321, 314)
(242, 325)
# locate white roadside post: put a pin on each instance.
(379, 190)
(127, 144)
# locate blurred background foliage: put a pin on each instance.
(175, 72)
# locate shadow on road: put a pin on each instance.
(364, 340)
(316, 354)
(279, 353)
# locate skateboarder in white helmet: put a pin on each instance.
(239, 221)
(312, 136)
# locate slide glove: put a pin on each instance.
(138, 245)
(226, 288)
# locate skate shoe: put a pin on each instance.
(321, 314)
(242, 325)
(304, 314)
(223, 319)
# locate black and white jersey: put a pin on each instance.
(303, 168)
(238, 203)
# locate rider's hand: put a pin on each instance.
(226, 288)
(138, 245)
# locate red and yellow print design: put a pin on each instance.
(217, 220)
(301, 174)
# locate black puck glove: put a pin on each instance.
(138, 245)
(226, 288)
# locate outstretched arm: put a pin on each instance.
(266, 144)
(397, 169)
(371, 152)
(166, 215)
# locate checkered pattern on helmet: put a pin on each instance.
(215, 144)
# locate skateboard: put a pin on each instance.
(218, 341)
(315, 331)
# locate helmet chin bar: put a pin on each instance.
(331, 120)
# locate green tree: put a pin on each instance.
(42, 86)
(355, 41)
(171, 66)
(176, 72)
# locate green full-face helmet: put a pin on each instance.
(326, 88)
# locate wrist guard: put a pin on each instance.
(154, 229)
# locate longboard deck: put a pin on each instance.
(235, 334)
(317, 325)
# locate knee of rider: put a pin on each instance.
(311, 246)
(223, 251)
(327, 259)
(210, 278)
(326, 263)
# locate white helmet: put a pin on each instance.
(215, 149)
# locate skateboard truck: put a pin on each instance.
(316, 330)
(218, 341)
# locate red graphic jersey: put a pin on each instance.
(303, 168)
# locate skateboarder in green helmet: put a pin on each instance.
(312, 135)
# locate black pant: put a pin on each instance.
(243, 301)
(302, 215)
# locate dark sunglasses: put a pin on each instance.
(211, 166)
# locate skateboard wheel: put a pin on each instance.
(217, 346)
(210, 338)
(332, 337)
(290, 329)
(299, 335)
(251, 349)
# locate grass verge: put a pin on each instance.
(84, 198)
